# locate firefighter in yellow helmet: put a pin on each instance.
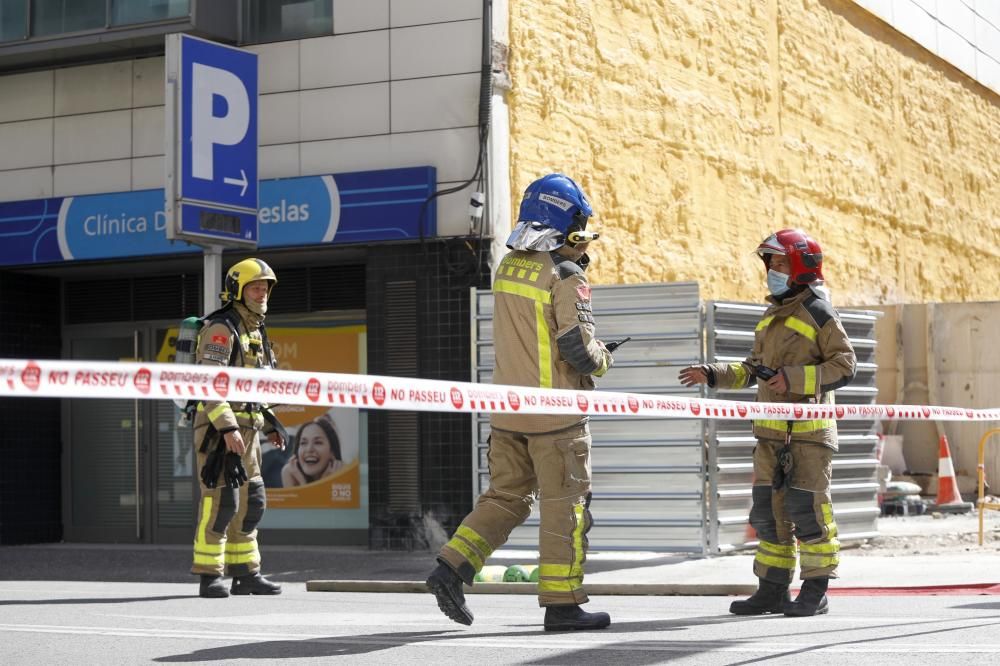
(225, 438)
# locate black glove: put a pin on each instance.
(212, 468)
(783, 469)
(236, 474)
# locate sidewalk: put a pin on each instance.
(945, 553)
(912, 554)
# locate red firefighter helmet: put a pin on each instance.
(804, 254)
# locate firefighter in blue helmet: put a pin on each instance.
(225, 439)
(544, 337)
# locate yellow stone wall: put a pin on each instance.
(698, 127)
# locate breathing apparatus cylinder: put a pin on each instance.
(184, 352)
(187, 340)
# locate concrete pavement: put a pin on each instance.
(937, 564)
(130, 623)
(392, 571)
(727, 575)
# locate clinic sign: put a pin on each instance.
(310, 211)
(211, 139)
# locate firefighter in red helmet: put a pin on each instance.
(800, 353)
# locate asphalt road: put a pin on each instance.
(131, 623)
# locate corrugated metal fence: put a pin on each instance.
(729, 336)
(657, 486)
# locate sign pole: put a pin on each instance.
(212, 278)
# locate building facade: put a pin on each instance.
(698, 128)
(373, 132)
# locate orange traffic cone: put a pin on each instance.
(949, 499)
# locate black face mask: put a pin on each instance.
(579, 224)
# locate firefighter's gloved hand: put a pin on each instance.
(783, 469)
(236, 474)
(608, 361)
(212, 468)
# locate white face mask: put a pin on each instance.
(777, 283)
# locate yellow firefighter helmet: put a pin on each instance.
(242, 274)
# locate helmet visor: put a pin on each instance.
(770, 245)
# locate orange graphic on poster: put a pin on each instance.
(320, 349)
(337, 491)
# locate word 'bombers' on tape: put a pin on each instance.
(162, 381)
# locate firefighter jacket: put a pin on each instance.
(543, 329)
(802, 337)
(219, 344)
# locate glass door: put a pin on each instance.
(104, 451)
(128, 463)
(174, 489)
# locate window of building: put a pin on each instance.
(278, 20)
(13, 20)
(124, 12)
(51, 17)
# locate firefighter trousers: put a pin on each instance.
(802, 512)
(225, 540)
(556, 467)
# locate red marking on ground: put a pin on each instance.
(931, 590)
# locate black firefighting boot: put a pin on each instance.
(568, 618)
(770, 597)
(212, 587)
(811, 599)
(446, 585)
(254, 584)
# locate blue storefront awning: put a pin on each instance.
(359, 207)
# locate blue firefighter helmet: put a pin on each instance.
(557, 202)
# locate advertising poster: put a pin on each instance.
(323, 470)
(320, 466)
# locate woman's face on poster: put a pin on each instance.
(315, 452)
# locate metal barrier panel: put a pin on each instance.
(648, 474)
(729, 337)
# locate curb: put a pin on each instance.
(597, 589)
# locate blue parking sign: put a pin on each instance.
(213, 184)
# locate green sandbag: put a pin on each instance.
(490, 574)
(520, 573)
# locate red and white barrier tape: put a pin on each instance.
(170, 381)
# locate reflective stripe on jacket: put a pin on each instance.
(543, 329)
(803, 338)
(215, 347)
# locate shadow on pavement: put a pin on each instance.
(986, 605)
(81, 601)
(333, 646)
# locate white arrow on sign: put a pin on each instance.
(244, 182)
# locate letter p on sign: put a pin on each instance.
(208, 128)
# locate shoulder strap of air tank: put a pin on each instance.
(228, 315)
